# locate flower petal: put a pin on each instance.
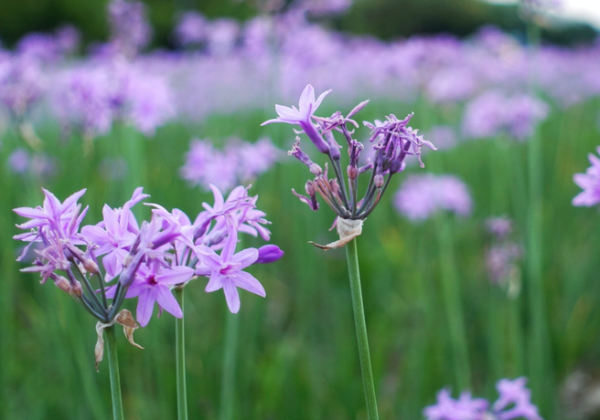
(248, 282)
(231, 295)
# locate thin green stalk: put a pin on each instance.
(182, 411)
(229, 367)
(453, 306)
(113, 367)
(361, 330)
(538, 356)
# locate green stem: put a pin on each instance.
(453, 306)
(182, 412)
(113, 367)
(361, 330)
(229, 367)
(539, 340)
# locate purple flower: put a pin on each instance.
(18, 161)
(513, 403)
(465, 408)
(302, 116)
(590, 182)
(225, 271)
(420, 196)
(129, 27)
(115, 235)
(191, 29)
(500, 227)
(152, 284)
(60, 220)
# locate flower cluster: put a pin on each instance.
(145, 261)
(514, 402)
(393, 140)
(590, 182)
(422, 196)
(239, 161)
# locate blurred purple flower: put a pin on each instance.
(589, 182)
(240, 161)
(443, 136)
(192, 28)
(22, 83)
(129, 26)
(492, 112)
(513, 403)
(500, 227)
(18, 161)
(222, 35)
(421, 196)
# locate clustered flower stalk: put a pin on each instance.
(146, 261)
(392, 142)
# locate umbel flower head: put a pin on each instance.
(393, 140)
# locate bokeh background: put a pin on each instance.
(107, 108)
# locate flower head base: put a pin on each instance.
(393, 141)
(590, 182)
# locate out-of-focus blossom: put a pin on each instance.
(22, 83)
(192, 28)
(514, 402)
(222, 35)
(421, 196)
(443, 136)
(500, 227)
(130, 30)
(324, 7)
(239, 161)
(18, 161)
(589, 182)
(93, 96)
(493, 112)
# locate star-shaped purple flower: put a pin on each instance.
(152, 284)
(225, 271)
(302, 116)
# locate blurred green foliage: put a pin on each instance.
(297, 347)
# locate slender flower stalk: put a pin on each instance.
(182, 411)
(113, 367)
(539, 346)
(227, 405)
(361, 330)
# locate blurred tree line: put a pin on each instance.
(385, 19)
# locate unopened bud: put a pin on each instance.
(62, 283)
(76, 289)
(91, 266)
(352, 172)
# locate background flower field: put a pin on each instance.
(118, 116)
